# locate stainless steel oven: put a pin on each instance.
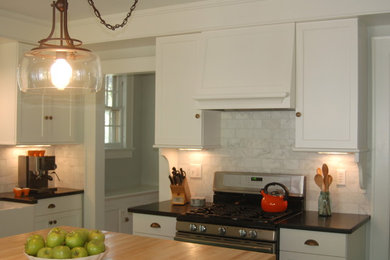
(235, 218)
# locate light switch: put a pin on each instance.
(195, 171)
(340, 178)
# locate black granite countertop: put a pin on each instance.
(9, 196)
(337, 223)
(308, 220)
(164, 208)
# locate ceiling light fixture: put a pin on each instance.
(59, 63)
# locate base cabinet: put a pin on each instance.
(154, 226)
(117, 218)
(59, 211)
(298, 244)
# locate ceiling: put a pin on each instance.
(78, 9)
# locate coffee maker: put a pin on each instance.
(33, 173)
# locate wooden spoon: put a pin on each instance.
(328, 181)
(325, 169)
(319, 181)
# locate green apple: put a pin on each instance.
(95, 235)
(74, 239)
(33, 245)
(78, 252)
(61, 252)
(95, 247)
(83, 232)
(55, 238)
(45, 252)
(35, 236)
(58, 230)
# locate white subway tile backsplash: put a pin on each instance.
(263, 141)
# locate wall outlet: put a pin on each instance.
(195, 171)
(340, 178)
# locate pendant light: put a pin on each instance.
(59, 64)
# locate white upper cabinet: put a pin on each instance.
(331, 100)
(178, 123)
(30, 118)
(247, 68)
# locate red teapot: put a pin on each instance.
(274, 201)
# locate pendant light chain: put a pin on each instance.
(110, 26)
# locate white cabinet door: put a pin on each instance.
(331, 95)
(247, 68)
(33, 119)
(70, 218)
(178, 123)
(48, 119)
(299, 256)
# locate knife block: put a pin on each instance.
(181, 193)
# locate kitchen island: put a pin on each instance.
(124, 246)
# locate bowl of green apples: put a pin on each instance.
(61, 244)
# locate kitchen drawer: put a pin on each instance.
(299, 256)
(72, 218)
(329, 244)
(58, 204)
(153, 225)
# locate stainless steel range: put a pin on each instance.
(235, 219)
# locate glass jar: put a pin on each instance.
(324, 204)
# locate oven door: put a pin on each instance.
(236, 243)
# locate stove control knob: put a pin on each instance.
(242, 232)
(222, 231)
(202, 228)
(193, 227)
(252, 234)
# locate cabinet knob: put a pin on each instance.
(298, 114)
(197, 116)
(127, 219)
(155, 225)
(311, 242)
(54, 222)
(50, 118)
(46, 117)
(51, 206)
(50, 222)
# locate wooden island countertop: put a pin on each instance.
(128, 247)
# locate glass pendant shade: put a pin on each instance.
(78, 71)
(59, 64)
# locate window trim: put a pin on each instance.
(125, 148)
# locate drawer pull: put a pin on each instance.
(51, 206)
(311, 242)
(155, 225)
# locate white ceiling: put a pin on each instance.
(78, 9)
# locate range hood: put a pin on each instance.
(247, 68)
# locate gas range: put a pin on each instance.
(235, 218)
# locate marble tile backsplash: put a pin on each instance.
(263, 141)
(69, 160)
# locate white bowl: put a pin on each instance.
(91, 257)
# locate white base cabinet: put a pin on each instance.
(331, 100)
(154, 226)
(178, 123)
(117, 218)
(59, 211)
(304, 245)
